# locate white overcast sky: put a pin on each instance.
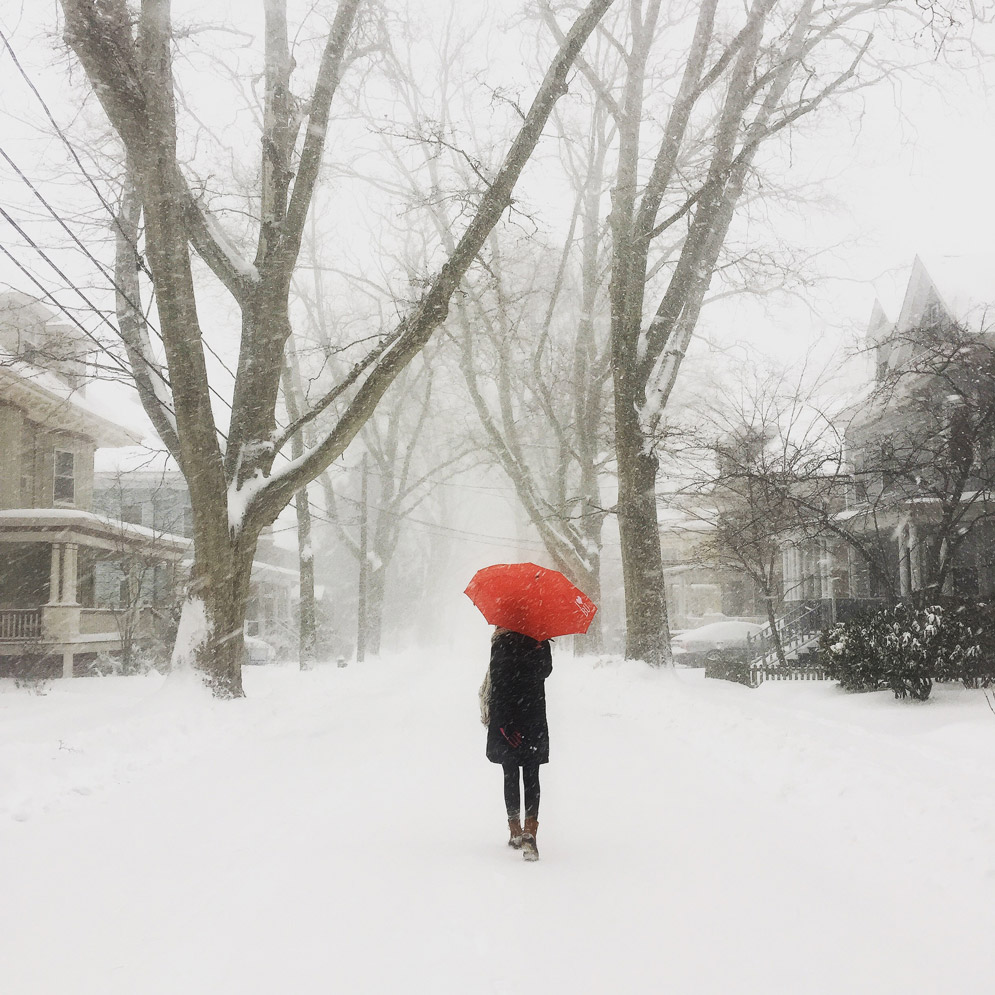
(911, 175)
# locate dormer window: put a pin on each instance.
(933, 315)
(64, 491)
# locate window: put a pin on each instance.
(888, 465)
(65, 477)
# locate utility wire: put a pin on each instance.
(113, 281)
(51, 210)
(69, 146)
(55, 266)
(101, 345)
(110, 210)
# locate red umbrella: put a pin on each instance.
(526, 598)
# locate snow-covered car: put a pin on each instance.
(258, 651)
(696, 647)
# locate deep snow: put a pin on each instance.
(340, 830)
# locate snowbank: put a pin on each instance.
(340, 830)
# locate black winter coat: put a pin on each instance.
(517, 732)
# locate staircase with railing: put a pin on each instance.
(798, 631)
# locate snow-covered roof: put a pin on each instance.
(52, 402)
(962, 285)
(50, 523)
(20, 309)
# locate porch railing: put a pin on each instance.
(800, 626)
(20, 623)
(798, 629)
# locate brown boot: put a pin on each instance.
(529, 831)
(515, 829)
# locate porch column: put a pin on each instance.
(55, 574)
(67, 663)
(826, 569)
(69, 570)
(948, 584)
(915, 560)
(785, 571)
(904, 578)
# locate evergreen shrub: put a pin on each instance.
(907, 648)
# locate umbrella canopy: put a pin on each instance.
(530, 599)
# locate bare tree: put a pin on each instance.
(307, 622)
(742, 79)
(539, 389)
(239, 485)
(140, 578)
(900, 481)
(406, 465)
(765, 459)
(530, 326)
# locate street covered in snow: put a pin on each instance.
(341, 830)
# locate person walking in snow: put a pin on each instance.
(517, 732)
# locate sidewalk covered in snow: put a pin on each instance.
(340, 830)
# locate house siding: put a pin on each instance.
(47, 442)
(11, 426)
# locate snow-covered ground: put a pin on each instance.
(341, 831)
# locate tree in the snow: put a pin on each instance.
(696, 97)
(239, 481)
(762, 461)
(531, 323)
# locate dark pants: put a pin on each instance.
(512, 798)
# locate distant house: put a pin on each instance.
(158, 500)
(699, 588)
(51, 540)
(919, 517)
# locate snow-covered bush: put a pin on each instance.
(907, 648)
(850, 656)
(969, 638)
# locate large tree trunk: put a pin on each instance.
(211, 633)
(647, 633)
(775, 634)
(235, 492)
(375, 590)
(307, 622)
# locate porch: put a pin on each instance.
(71, 587)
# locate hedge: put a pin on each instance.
(907, 649)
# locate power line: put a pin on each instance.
(68, 144)
(64, 310)
(113, 281)
(110, 210)
(51, 210)
(448, 529)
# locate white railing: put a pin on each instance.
(20, 623)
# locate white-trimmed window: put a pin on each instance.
(64, 487)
